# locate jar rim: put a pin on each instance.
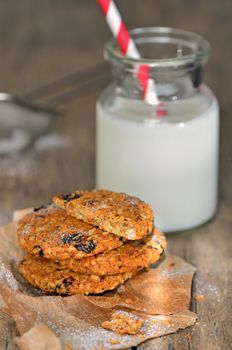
(198, 47)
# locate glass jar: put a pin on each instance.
(170, 162)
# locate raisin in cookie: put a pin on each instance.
(51, 233)
(130, 257)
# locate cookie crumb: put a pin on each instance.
(123, 323)
(199, 297)
(114, 341)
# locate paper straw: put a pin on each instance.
(128, 47)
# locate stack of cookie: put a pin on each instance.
(88, 242)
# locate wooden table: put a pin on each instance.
(40, 42)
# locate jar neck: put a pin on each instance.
(170, 85)
(175, 59)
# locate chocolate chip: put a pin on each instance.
(57, 286)
(40, 250)
(88, 247)
(70, 196)
(72, 237)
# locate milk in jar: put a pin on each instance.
(169, 162)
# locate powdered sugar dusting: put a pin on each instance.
(177, 268)
(94, 338)
(7, 277)
(18, 166)
(51, 141)
(77, 319)
(204, 287)
(18, 140)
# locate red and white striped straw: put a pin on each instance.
(129, 49)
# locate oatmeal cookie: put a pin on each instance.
(130, 257)
(119, 213)
(51, 233)
(46, 277)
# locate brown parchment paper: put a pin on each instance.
(39, 334)
(160, 296)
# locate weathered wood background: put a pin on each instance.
(41, 41)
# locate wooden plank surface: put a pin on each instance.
(42, 41)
